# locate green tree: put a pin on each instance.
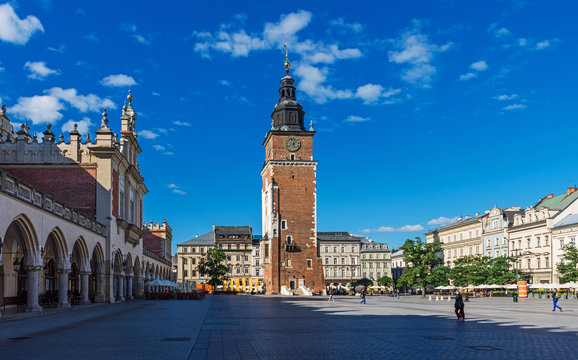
(502, 271)
(567, 267)
(470, 270)
(439, 276)
(421, 260)
(213, 265)
(362, 282)
(385, 281)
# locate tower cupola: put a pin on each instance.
(288, 114)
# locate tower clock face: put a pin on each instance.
(292, 143)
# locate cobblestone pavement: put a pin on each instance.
(275, 327)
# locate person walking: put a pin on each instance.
(363, 294)
(459, 307)
(331, 293)
(555, 298)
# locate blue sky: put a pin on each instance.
(425, 110)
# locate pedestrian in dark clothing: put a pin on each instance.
(555, 298)
(459, 306)
(363, 294)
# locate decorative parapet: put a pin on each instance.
(152, 255)
(22, 191)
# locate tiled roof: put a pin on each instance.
(559, 202)
(337, 236)
(568, 220)
(205, 239)
(233, 230)
(462, 222)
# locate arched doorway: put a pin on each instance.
(97, 275)
(55, 250)
(19, 283)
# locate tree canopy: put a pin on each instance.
(385, 281)
(478, 270)
(567, 267)
(421, 261)
(213, 265)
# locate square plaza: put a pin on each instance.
(277, 327)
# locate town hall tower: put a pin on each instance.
(289, 200)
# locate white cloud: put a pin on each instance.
(83, 125)
(479, 66)
(542, 45)
(522, 42)
(118, 80)
(354, 118)
(38, 109)
(147, 134)
(313, 80)
(47, 108)
(38, 70)
(159, 147)
(176, 189)
(415, 50)
(154, 93)
(341, 23)
(181, 123)
(405, 228)
(515, 107)
(498, 32)
(82, 103)
(505, 97)
(442, 221)
(317, 52)
(134, 34)
(226, 83)
(59, 49)
(467, 76)
(91, 38)
(15, 30)
(240, 43)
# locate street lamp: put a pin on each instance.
(17, 263)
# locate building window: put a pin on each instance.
(561, 243)
(462, 252)
(193, 261)
(353, 249)
(283, 224)
(335, 249)
(546, 239)
(327, 273)
(246, 270)
(529, 263)
(238, 258)
(194, 273)
(537, 241)
(220, 246)
(202, 250)
(343, 249)
(497, 242)
(288, 262)
(547, 260)
(365, 275)
(326, 261)
(334, 261)
(327, 249)
(470, 234)
(335, 272)
(228, 246)
(354, 272)
(378, 275)
(455, 252)
(266, 250)
(184, 261)
(289, 239)
(185, 250)
(185, 273)
(309, 263)
(238, 270)
(477, 249)
(256, 262)
(471, 250)
(246, 258)
(193, 249)
(343, 273)
(342, 261)
(256, 272)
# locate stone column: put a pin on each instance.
(32, 289)
(119, 289)
(84, 289)
(100, 295)
(140, 285)
(63, 289)
(129, 287)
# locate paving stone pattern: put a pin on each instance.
(275, 327)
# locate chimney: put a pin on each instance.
(549, 196)
(572, 189)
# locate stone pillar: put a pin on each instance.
(84, 288)
(100, 294)
(129, 288)
(63, 289)
(140, 286)
(119, 288)
(32, 289)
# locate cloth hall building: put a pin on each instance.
(71, 217)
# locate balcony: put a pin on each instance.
(291, 247)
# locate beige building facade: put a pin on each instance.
(375, 260)
(340, 253)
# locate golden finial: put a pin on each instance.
(129, 97)
(287, 63)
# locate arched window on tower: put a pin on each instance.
(292, 157)
(289, 240)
